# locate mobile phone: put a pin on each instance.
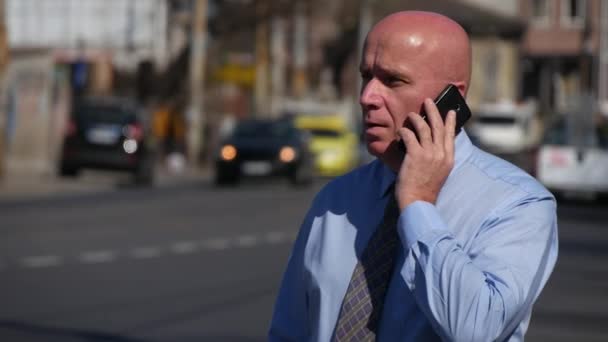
(449, 99)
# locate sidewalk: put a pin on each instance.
(28, 186)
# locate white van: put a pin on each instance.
(504, 127)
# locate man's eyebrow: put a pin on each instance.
(384, 71)
(392, 71)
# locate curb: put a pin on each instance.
(30, 186)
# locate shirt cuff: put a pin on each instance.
(419, 221)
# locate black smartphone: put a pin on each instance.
(449, 99)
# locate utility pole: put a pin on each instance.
(279, 63)
(300, 50)
(196, 115)
(3, 66)
(261, 93)
(603, 57)
(366, 18)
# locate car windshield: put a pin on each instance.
(556, 135)
(559, 134)
(328, 133)
(270, 129)
(602, 135)
(496, 120)
(104, 114)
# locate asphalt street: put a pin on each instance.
(191, 262)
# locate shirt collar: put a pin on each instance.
(463, 148)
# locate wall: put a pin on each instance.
(495, 69)
(129, 27)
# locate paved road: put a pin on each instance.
(196, 263)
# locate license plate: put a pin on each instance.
(258, 168)
(559, 158)
(103, 135)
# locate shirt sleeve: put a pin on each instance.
(481, 294)
(290, 317)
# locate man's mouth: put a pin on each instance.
(369, 125)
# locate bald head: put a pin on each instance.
(440, 44)
(408, 57)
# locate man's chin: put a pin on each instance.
(389, 153)
(378, 148)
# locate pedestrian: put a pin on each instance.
(440, 242)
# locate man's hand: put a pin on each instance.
(428, 162)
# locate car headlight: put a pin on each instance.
(287, 154)
(330, 156)
(228, 153)
(130, 146)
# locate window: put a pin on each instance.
(540, 11)
(540, 8)
(573, 12)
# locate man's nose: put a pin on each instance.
(370, 94)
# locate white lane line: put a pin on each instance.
(41, 261)
(146, 252)
(246, 240)
(275, 237)
(215, 244)
(97, 257)
(184, 247)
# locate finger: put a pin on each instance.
(409, 139)
(450, 128)
(421, 128)
(435, 121)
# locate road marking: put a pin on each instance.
(184, 247)
(97, 257)
(41, 261)
(181, 247)
(216, 244)
(146, 252)
(275, 237)
(246, 240)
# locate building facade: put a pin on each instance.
(561, 52)
(63, 48)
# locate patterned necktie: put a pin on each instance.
(364, 299)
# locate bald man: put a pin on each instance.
(442, 242)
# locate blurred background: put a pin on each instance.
(157, 156)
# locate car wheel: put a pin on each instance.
(301, 176)
(68, 171)
(144, 174)
(223, 178)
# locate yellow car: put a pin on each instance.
(333, 143)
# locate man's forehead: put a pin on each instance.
(395, 45)
(413, 28)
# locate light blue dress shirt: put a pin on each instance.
(470, 267)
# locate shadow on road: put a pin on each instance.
(23, 331)
(35, 332)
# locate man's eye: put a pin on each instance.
(393, 80)
(366, 76)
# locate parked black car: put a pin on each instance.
(110, 134)
(265, 148)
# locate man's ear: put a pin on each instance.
(462, 87)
